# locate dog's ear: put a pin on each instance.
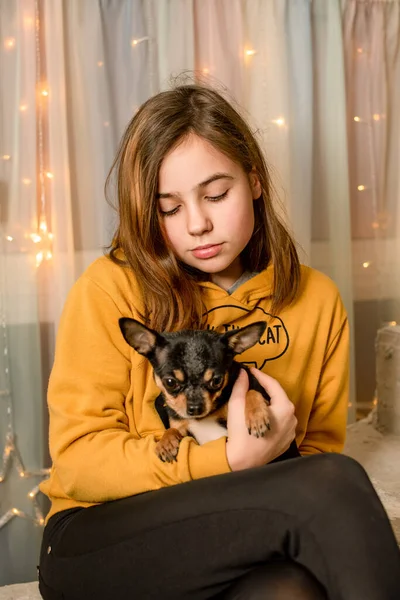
(242, 339)
(140, 337)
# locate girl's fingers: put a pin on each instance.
(241, 385)
(271, 385)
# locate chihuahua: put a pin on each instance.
(195, 371)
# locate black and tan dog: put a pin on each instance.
(195, 371)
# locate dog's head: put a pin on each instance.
(191, 368)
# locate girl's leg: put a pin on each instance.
(195, 539)
(278, 580)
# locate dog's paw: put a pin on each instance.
(256, 414)
(167, 448)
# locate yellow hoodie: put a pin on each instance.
(103, 424)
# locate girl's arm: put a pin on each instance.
(97, 455)
(326, 429)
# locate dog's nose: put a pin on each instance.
(193, 410)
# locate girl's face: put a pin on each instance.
(206, 203)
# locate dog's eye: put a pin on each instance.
(171, 384)
(216, 381)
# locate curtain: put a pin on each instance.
(318, 81)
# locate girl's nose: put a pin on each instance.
(198, 222)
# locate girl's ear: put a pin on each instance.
(255, 184)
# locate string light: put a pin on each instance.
(26, 181)
(250, 52)
(361, 188)
(376, 117)
(357, 119)
(9, 238)
(366, 264)
(44, 252)
(280, 121)
(139, 41)
(28, 22)
(6, 157)
(35, 238)
(23, 107)
(9, 43)
(11, 456)
(206, 71)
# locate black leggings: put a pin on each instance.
(314, 523)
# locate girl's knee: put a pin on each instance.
(336, 474)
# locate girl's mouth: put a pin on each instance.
(208, 251)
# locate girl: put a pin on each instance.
(199, 244)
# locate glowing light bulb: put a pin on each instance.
(357, 119)
(139, 41)
(376, 117)
(23, 107)
(361, 188)
(28, 22)
(27, 181)
(280, 121)
(9, 238)
(9, 43)
(50, 236)
(43, 225)
(36, 238)
(393, 323)
(6, 157)
(45, 92)
(206, 71)
(31, 494)
(39, 258)
(49, 175)
(49, 255)
(22, 474)
(366, 264)
(250, 52)
(15, 511)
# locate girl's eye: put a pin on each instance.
(216, 381)
(217, 198)
(169, 213)
(171, 384)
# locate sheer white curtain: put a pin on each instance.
(372, 57)
(294, 67)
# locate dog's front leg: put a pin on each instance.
(167, 448)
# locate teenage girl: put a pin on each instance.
(200, 244)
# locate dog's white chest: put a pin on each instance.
(206, 430)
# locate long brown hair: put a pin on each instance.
(169, 288)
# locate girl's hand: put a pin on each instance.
(243, 450)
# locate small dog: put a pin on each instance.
(195, 371)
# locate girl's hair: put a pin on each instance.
(169, 288)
